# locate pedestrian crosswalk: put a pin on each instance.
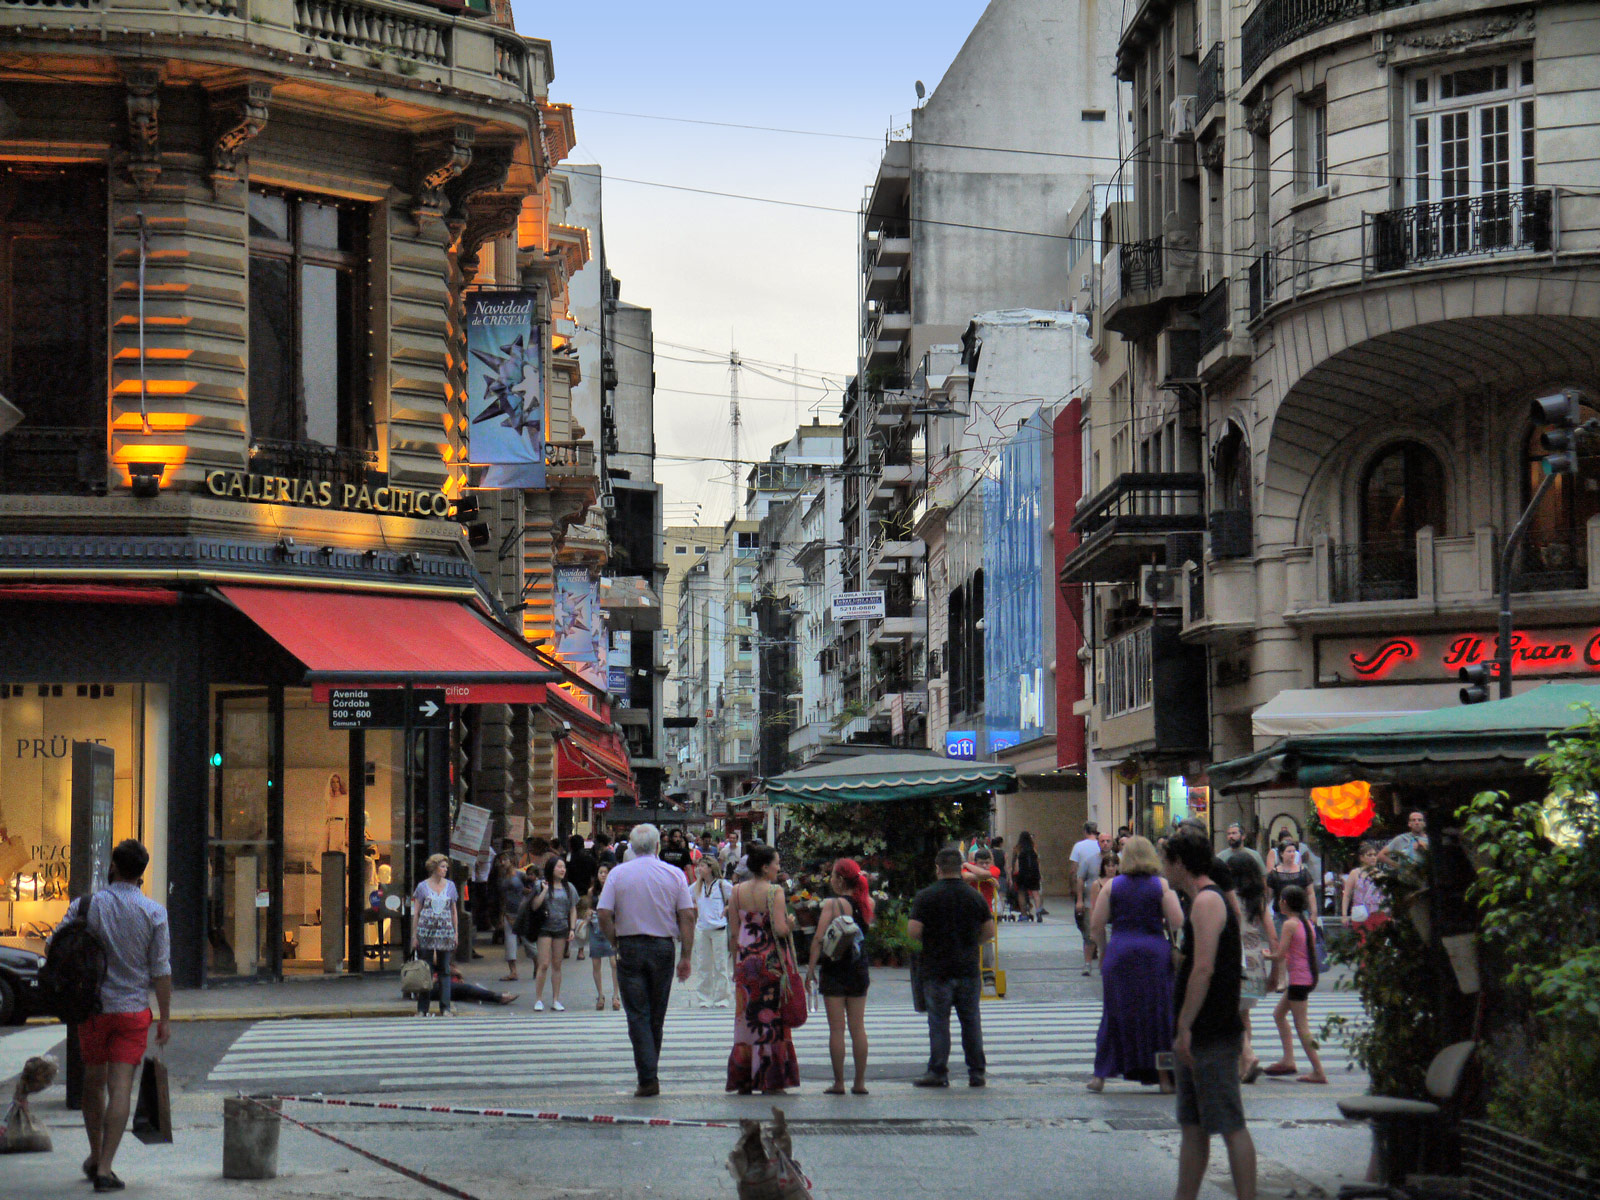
(1025, 1043)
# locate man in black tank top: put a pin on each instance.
(1209, 1031)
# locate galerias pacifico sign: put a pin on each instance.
(1395, 658)
(325, 493)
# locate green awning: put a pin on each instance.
(907, 775)
(1457, 742)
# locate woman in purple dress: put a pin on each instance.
(1136, 969)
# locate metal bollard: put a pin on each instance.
(249, 1138)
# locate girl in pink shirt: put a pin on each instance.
(1297, 961)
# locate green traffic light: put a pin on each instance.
(216, 759)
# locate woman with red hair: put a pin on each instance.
(844, 974)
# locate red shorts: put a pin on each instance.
(114, 1038)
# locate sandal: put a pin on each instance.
(859, 1090)
(508, 979)
(1096, 1084)
(1279, 1068)
(836, 1090)
(1252, 1072)
(599, 1004)
(616, 1003)
(109, 1182)
(508, 997)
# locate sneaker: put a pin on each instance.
(558, 1006)
(538, 1006)
(930, 1080)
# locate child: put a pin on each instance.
(585, 919)
(1297, 963)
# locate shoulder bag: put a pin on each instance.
(416, 978)
(792, 987)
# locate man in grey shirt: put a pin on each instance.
(133, 929)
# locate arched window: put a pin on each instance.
(1230, 515)
(1554, 553)
(1403, 491)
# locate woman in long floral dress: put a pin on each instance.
(763, 1058)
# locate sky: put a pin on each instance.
(776, 283)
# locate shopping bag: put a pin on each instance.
(152, 1116)
(416, 978)
(762, 1163)
(792, 987)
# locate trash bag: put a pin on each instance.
(23, 1132)
(762, 1163)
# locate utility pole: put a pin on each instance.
(735, 420)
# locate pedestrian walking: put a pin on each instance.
(763, 1057)
(512, 885)
(581, 865)
(1208, 1037)
(435, 928)
(1257, 944)
(710, 977)
(844, 975)
(952, 922)
(1085, 856)
(1363, 903)
(1296, 961)
(602, 952)
(1025, 873)
(557, 912)
(643, 905)
(1139, 908)
(134, 932)
(1287, 872)
(1237, 848)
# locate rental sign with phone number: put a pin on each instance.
(1562, 650)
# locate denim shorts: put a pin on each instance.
(1208, 1092)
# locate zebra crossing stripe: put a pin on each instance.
(521, 1114)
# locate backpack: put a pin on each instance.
(841, 939)
(74, 969)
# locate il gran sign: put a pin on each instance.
(1561, 650)
(324, 493)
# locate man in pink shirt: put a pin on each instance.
(644, 905)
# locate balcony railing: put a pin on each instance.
(1141, 265)
(1373, 571)
(375, 30)
(38, 461)
(1552, 561)
(1146, 500)
(569, 457)
(1468, 226)
(301, 460)
(1213, 317)
(1208, 83)
(1276, 23)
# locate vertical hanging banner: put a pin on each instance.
(580, 634)
(505, 389)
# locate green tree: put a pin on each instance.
(894, 840)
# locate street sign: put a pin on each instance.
(385, 708)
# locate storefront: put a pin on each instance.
(282, 845)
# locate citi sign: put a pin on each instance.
(961, 744)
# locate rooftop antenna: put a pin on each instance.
(735, 420)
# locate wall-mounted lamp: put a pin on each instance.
(286, 546)
(145, 478)
(411, 561)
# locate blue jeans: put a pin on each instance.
(644, 978)
(439, 960)
(963, 994)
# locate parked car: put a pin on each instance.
(19, 985)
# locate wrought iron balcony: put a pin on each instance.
(310, 460)
(1555, 560)
(1373, 571)
(1208, 87)
(1263, 282)
(1504, 222)
(1150, 276)
(1213, 317)
(1276, 23)
(37, 461)
(1141, 265)
(1126, 524)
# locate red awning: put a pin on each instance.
(87, 593)
(355, 638)
(591, 758)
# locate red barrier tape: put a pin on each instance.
(523, 1114)
(418, 1176)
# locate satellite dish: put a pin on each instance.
(10, 416)
(922, 92)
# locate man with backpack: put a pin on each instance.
(108, 953)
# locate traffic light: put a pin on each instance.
(1560, 441)
(1476, 679)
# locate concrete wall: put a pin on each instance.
(1055, 817)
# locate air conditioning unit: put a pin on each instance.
(1181, 119)
(1159, 587)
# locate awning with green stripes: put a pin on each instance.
(908, 775)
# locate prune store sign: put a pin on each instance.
(324, 493)
(1561, 650)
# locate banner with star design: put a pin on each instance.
(505, 389)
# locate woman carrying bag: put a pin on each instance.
(764, 1010)
(435, 913)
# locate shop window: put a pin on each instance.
(53, 327)
(308, 327)
(39, 724)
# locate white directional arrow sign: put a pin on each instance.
(427, 708)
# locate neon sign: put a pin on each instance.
(1534, 652)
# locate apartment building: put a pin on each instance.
(1361, 241)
